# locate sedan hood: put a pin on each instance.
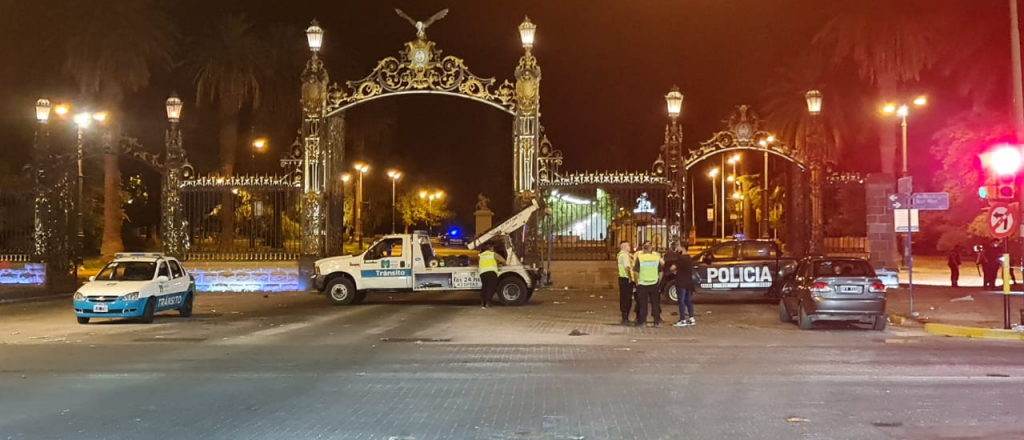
(107, 288)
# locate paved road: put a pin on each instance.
(437, 367)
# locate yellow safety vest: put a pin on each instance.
(488, 263)
(623, 268)
(649, 263)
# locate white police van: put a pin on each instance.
(136, 285)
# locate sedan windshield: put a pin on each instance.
(843, 268)
(128, 271)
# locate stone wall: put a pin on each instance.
(22, 280)
(584, 274)
(269, 276)
(881, 236)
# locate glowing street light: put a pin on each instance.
(360, 168)
(674, 101)
(42, 110)
(527, 31)
(314, 36)
(902, 111)
(173, 105)
(394, 175)
(813, 102)
(61, 109)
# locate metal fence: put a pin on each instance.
(250, 218)
(587, 221)
(17, 223)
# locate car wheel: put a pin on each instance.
(512, 291)
(359, 299)
(671, 293)
(805, 321)
(149, 311)
(186, 308)
(82, 320)
(784, 315)
(880, 322)
(341, 291)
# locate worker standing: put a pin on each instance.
(625, 262)
(647, 268)
(488, 274)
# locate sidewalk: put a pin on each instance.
(964, 306)
(933, 271)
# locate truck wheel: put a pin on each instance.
(805, 321)
(149, 311)
(341, 291)
(784, 315)
(512, 291)
(671, 293)
(880, 322)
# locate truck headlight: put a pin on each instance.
(79, 296)
(134, 296)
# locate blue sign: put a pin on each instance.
(898, 201)
(931, 201)
(386, 273)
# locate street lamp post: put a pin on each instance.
(735, 159)
(765, 193)
(361, 168)
(43, 200)
(394, 175)
(815, 144)
(714, 200)
(174, 172)
(903, 111)
(430, 197)
(83, 121)
(257, 144)
(675, 171)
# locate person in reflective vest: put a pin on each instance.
(625, 262)
(647, 269)
(488, 274)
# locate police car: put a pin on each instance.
(739, 266)
(136, 285)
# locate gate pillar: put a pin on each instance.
(314, 102)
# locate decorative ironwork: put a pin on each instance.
(548, 162)
(844, 178)
(172, 220)
(607, 178)
(743, 133)
(421, 68)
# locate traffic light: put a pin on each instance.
(1006, 186)
(1002, 164)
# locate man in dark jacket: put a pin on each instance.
(684, 287)
(954, 262)
(993, 255)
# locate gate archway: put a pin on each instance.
(420, 68)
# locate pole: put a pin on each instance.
(1006, 283)
(1018, 112)
(765, 203)
(722, 207)
(392, 205)
(910, 233)
(81, 196)
(359, 211)
(714, 206)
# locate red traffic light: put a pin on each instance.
(1004, 160)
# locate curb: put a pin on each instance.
(973, 332)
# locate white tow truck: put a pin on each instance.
(407, 263)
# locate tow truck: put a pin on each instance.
(407, 263)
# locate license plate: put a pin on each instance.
(851, 289)
(99, 308)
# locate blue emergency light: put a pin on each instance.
(453, 233)
(738, 236)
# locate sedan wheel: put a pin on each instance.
(784, 315)
(805, 321)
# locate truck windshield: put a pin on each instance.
(128, 271)
(843, 268)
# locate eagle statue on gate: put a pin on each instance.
(421, 26)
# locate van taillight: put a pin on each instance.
(820, 288)
(876, 288)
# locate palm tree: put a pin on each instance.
(891, 44)
(112, 47)
(232, 68)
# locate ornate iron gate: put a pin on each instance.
(17, 224)
(266, 223)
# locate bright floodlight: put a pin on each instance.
(361, 167)
(394, 174)
(813, 102)
(61, 109)
(921, 100)
(527, 30)
(889, 108)
(903, 111)
(173, 105)
(1006, 160)
(259, 143)
(315, 36)
(100, 117)
(713, 172)
(42, 110)
(83, 119)
(674, 100)
(770, 139)
(345, 177)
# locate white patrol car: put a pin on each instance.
(407, 263)
(136, 285)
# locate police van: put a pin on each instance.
(740, 266)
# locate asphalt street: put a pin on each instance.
(289, 366)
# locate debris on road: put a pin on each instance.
(962, 299)
(797, 420)
(558, 303)
(576, 332)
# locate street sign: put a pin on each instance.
(899, 201)
(905, 185)
(1001, 220)
(931, 201)
(900, 217)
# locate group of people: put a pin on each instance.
(640, 279)
(988, 260)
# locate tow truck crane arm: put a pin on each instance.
(507, 227)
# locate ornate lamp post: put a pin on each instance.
(765, 193)
(675, 171)
(527, 119)
(83, 121)
(815, 144)
(43, 202)
(713, 174)
(360, 168)
(314, 102)
(394, 175)
(174, 170)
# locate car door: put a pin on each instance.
(387, 265)
(165, 286)
(180, 281)
(756, 269)
(713, 268)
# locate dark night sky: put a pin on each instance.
(606, 64)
